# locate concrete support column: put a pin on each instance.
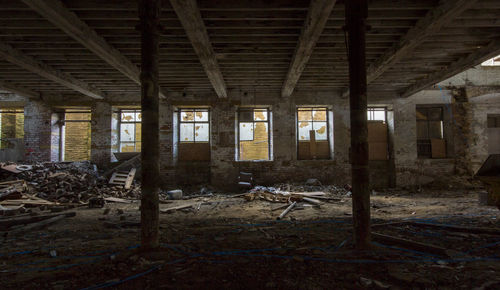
(149, 15)
(37, 131)
(356, 14)
(100, 150)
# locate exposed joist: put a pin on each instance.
(23, 92)
(475, 58)
(57, 13)
(189, 15)
(29, 63)
(317, 16)
(433, 21)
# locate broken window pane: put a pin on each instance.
(128, 116)
(138, 116)
(320, 130)
(304, 128)
(304, 115)
(246, 131)
(319, 115)
(260, 115)
(187, 132)
(127, 132)
(201, 132)
(187, 116)
(201, 116)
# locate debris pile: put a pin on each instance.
(68, 183)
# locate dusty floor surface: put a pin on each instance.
(232, 243)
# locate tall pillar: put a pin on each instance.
(100, 150)
(149, 14)
(356, 14)
(37, 131)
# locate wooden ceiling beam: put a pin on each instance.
(189, 15)
(430, 24)
(60, 16)
(475, 58)
(23, 92)
(27, 62)
(316, 19)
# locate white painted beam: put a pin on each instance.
(190, 17)
(433, 21)
(473, 59)
(23, 92)
(59, 15)
(29, 63)
(317, 16)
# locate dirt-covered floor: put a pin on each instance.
(237, 244)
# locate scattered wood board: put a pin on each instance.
(426, 248)
(118, 200)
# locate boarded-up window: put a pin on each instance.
(313, 133)
(253, 134)
(194, 134)
(77, 132)
(130, 131)
(11, 126)
(429, 132)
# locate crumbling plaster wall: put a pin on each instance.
(37, 131)
(100, 148)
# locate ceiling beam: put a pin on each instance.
(27, 62)
(433, 21)
(317, 17)
(475, 58)
(59, 15)
(23, 92)
(190, 17)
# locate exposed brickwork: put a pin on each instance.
(37, 128)
(100, 150)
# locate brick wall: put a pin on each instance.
(77, 137)
(37, 131)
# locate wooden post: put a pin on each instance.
(149, 14)
(356, 14)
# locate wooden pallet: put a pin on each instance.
(123, 178)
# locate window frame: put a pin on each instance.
(421, 142)
(268, 121)
(120, 122)
(371, 113)
(327, 121)
(194, 122)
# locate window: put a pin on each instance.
(130, 131)
(194, 134)
(77, 142)
(493, 121)
(11, 126)
(313, 133)
(376, 113)
(430, 131)
(194, 126)
(254, 134)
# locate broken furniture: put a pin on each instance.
(122, 178)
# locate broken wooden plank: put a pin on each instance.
(311, 200)
(469, 230)
(130, 178)
(118, 200)
(179, 207)
(42, 224)
(288, 209)
(7, 223)
(426, 248)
